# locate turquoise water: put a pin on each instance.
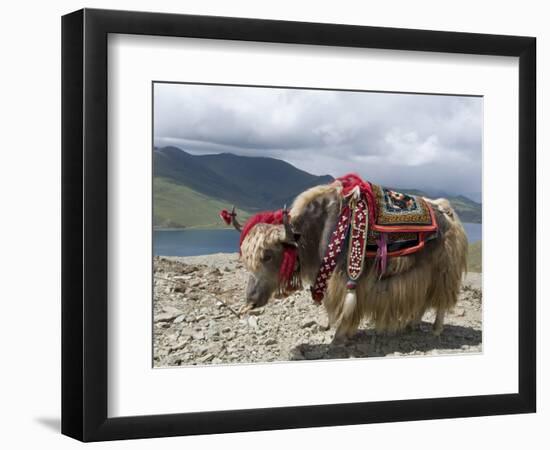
(206, 242)
(473, 230)
(194, 242)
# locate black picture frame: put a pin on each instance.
(84, 224)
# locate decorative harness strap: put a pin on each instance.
(358, 238)
(352, 225)
(334, 248)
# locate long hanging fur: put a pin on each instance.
(430, 279)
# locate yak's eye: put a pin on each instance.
(267, 256)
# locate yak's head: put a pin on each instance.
(270, 243)
(269, 252)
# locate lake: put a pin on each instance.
(473, 230)
(206, 242)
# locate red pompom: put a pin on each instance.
(350, 181)
(269, 217)
(290, 255)
(225, 216)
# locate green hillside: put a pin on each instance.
(468, 210)
(177, 206)
(252, 183)
(474, 257)
(189, 190)
(272, 182)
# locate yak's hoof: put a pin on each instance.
(352, 334)
(339, 339)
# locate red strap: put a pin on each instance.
(334, 248)
(357, 239)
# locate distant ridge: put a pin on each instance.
(251, 183)
(189, 190)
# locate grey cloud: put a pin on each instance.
(424, 141)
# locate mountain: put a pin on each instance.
(251, 183)
(475, 196)
(190, 190)
(177, 206)
(468, 210)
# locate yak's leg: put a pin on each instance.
(373, 338)
(343, 332)
(414, 324)
(325, 323)
(346, 330)
(334, 320)
(352, 331)
(340, 336)
(331, 323)
(438, 323)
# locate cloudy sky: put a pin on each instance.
(428, 142)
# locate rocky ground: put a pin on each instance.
(196, 300)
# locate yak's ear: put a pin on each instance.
(290, 237)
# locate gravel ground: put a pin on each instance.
(195, 321)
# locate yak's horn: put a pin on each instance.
(289, 234)
(234, 220)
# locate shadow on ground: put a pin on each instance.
(368, 343)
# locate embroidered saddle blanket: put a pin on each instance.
(375, 222)
(407, 220)
(401, 212)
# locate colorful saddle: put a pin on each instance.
(374, 222)
(406, 220)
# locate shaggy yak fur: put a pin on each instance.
(413, 284)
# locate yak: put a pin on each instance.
(283, 251)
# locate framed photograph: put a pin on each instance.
(272, 224)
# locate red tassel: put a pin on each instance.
(350, 181)
(225, 216)
(290, 254)
(269, 217)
